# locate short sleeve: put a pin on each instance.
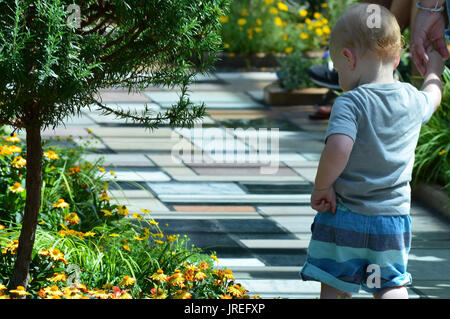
(426, 106)
(343, 118)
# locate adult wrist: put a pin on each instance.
(432, 6)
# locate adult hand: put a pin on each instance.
(324, 200)
(428, 30)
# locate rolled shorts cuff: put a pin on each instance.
(311, 272)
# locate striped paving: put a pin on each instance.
(207, 182)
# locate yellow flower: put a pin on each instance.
(51, 155)
(229, 274)
(303, 13)
(237, 290)
(273, 10)
(89, 131)
(159, 276)
(242, 22)
(442, 152)
(200, 276)
(123, 210)
(89, 234)
(289, 50)
(126, 247)
(258, 21)
(308, 21)
(278, 21)
(269, 2)
(58, 277)
(324, 5)
(114, 235)
(227, 296)
(13, 138)
(316, 15)
(304, 35)
(176, 279)
(72, 219)
(282, 6)
(226, 45)
(101, 169)
(19, 162)
(137, 216)
(127, 281)
(258, 29)
(16, 188)
(319, 32)
(106, 212)
(104, 197)
(326, 29)
(14, 149)
(224, 19)
(61, 204)
(214, 257)
(20, 290)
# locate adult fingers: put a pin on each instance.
(441, 47)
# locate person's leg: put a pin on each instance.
(392, 293)
(328, 292)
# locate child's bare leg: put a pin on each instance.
(328, 292)
(392, 293)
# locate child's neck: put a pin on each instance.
(373, 70)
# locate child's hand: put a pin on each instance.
(435, 64)
(324, 200)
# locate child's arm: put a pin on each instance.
(332, 163)
(432, 80)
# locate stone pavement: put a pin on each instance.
(258, 224)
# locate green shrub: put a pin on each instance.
(293, 71)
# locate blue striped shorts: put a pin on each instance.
(351, 251)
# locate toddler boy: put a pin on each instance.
(361, 235)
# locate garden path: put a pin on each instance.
(258, 224)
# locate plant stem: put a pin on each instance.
(32, 205)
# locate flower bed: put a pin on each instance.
(89, 246)
(275, 26)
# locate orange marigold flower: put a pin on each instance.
(51, 155)
(72, 219)
(20, 290)
(127, 281)
(159, 276)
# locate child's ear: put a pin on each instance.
(397, 62)
(350, 56)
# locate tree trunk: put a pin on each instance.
(32, 205)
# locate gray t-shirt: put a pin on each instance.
(384, 121)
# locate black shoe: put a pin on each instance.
(322, 76)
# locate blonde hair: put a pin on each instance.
(358, 27)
